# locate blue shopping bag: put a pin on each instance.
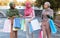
(17, 23)
(52, 26)
(30, 27)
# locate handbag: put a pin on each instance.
(34, 25)
(7, 26)
(16, 23)
(23, 25)
(52, 26)
(41, 34)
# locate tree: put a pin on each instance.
(58, 3)
(55, 4)
(38, 3)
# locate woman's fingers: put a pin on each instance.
(21, 15)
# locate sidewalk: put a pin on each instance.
(57, 22)
(57, 35)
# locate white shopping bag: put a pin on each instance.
(35, 24)
(7, 26)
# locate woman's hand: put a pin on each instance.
(30, 20)
(13, 16)
(9, 17)
(21, 15)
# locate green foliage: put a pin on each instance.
(38, 3)
(55, 4)
(23, 4)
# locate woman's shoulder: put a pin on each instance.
(43, 10)
(51, 10)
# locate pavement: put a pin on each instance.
(22, 34)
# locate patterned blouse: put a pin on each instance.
(47, 12)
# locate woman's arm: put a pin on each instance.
(20, 15)
(32, 16)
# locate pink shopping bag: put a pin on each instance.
(41, 34)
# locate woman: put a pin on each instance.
(11, 14)
(45, 25)
(29, 15)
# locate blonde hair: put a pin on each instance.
(47, 3)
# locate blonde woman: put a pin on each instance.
(45, 25)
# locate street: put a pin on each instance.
(22, 34)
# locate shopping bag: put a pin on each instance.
(41, 34)
(34, 25)
(52, 26)
(24, 29)
(22, 24)
(16, 23)
(7, 26)
(30, 27)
